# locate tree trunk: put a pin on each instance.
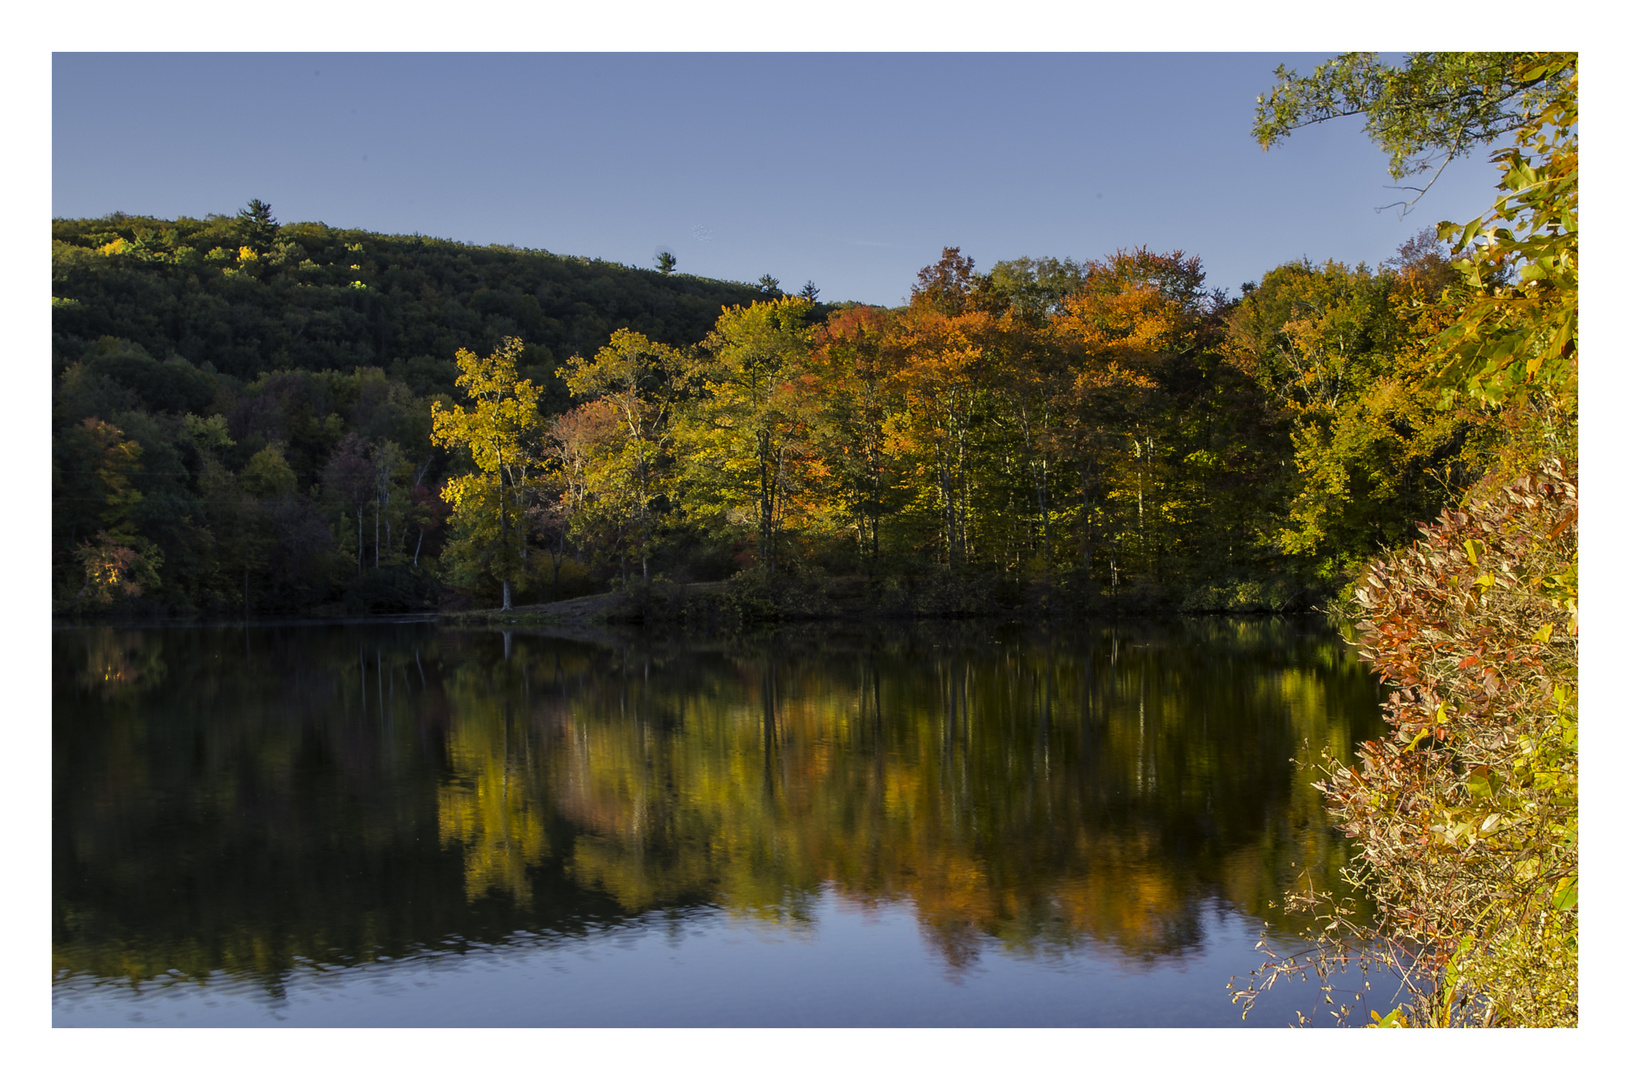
(1041, 504)
(766, 507)
(1088, 486)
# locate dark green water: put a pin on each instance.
(897, 826)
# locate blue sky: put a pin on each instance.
(849, 169)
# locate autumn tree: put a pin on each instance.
(574, 439)
(746, 433)
(93, 475)
(937, 356)
(1133, 315)
(641, 381)
(1029, 380)
(850, 378)
(502, 431)
(948, 285)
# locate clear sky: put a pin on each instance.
(849, 169)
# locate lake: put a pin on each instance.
(908, 825)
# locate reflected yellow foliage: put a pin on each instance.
(1016, 792)
(948, 788)
(490, 806)
(118, 662)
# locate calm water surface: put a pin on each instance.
(955, 825)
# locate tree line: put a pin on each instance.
(240, 417)
(1109, 428)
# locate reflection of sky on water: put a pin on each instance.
(852, 965)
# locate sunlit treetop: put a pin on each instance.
(1433, 109)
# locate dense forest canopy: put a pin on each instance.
(246, 295)
(243, 422)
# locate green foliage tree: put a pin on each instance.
(1521, 336)
(258, 227)
(1031, 289)
(746, 433)
(1337, 351)
(850, 378)
(1438, 106)
(181, 288)
(1508, 334)
(349, 479)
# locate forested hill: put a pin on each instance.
(245, 295)
(252, 417)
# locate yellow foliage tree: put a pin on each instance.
(502, 431)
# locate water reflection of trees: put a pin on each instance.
(271, 800)
(1033, 791)
(340, 795)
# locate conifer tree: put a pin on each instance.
(257, 227)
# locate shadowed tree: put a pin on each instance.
(640, 380)
(257, 227)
